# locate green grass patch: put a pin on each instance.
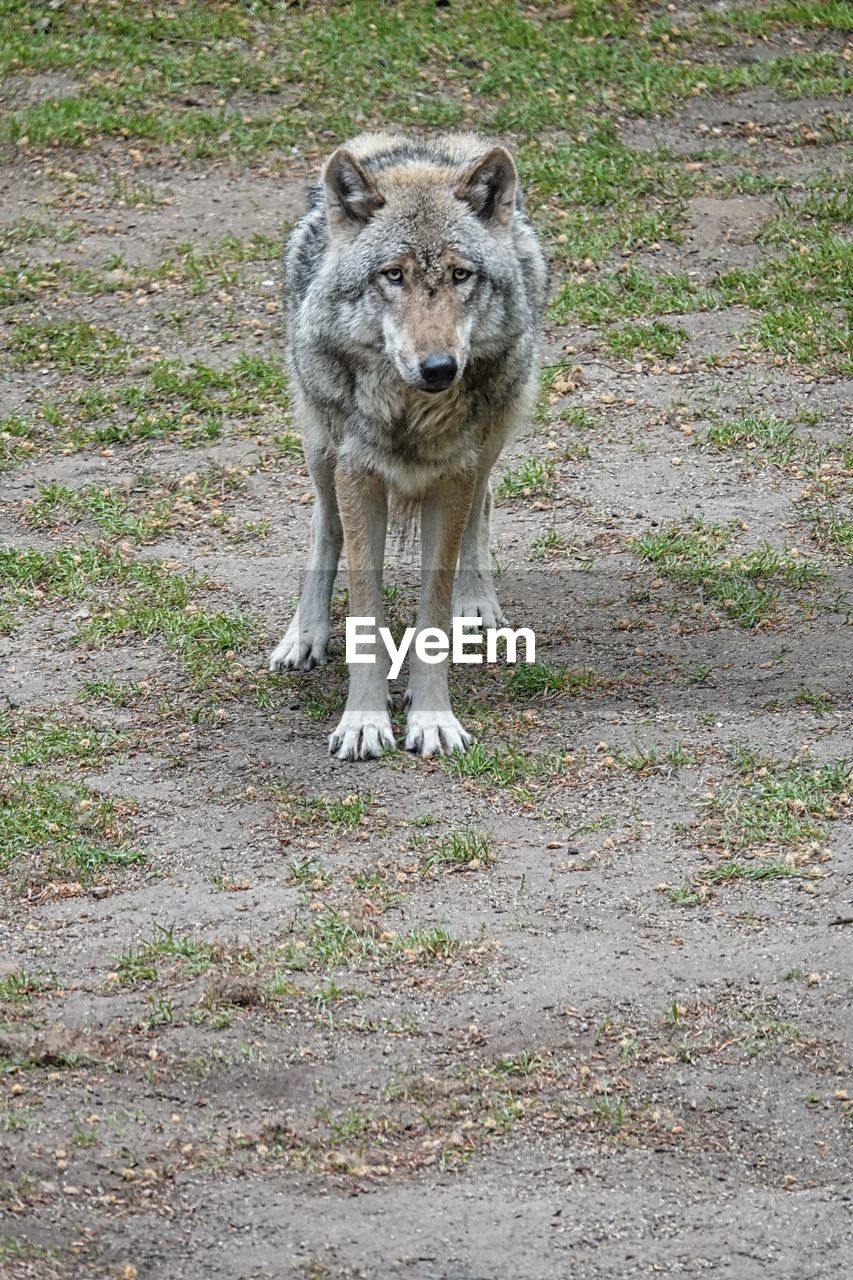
(778, 805)
(216, 264)
(20, 986)
(533, 479)
(335, 941)
(60, 828)
(768, 439)
(37, 740)
(831, 525)
(25, 231)
(296, 809)
(648, 758)
(74, 346)
(188, 403)
(504, 767)
(746, 587)
(539, 679)
(466, 850)
(209, 78)
(115, 692)
(155, 507)
(628, 293)
(18, 440)
(655, 339)
(139, 964)
(130, 599)
(735, 869)
(802, 300)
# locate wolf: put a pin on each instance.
(415, 289)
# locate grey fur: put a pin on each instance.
(358, 342)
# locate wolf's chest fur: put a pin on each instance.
(410, 437)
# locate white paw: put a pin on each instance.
(432, 733)
(301, 649)
(483, 605)
(361, 735)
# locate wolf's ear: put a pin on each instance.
(489, 187)
(352, 196)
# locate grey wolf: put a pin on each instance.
(415, 290)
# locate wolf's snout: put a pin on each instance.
(438, 371)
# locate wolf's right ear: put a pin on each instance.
(352, 197)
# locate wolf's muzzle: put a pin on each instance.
(438, 371)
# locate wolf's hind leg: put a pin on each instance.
(474, 595)
(304, 643)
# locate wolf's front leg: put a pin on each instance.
(304, 643)
(432, 728)
(365, 728)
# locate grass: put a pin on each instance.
(139, 964)
(817, 699)
(115, 692)
(130, 599)
(196, 269)
(465, 850)
(255, 78)
(154, 508)
(778, 806)
(50, 825)
(341, 813)
(627, 294)
(645, 758)
(37, 740)
(63, 828)
(502, 767)
(19, 986)
(539, 679)
(831, 526)
(190, 403)
(27, 231)
(766, 436)
(770, 825)
(800, 300)
(746, 587)
(18, 439)
(533, 479)
(73, 346)
(334, 940)
(735, 869)
(655, 339)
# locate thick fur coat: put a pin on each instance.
(415, 290)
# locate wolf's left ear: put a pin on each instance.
(489, 187)
(352, 196)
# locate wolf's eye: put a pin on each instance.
(393, 275)
(460, 275)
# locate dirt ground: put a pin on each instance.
(579, 1005)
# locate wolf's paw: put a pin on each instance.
(483, 605)
(300, 650)
(361, 735)
(432, 733)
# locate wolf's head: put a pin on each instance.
(419, 259)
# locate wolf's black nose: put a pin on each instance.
(438, 371)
